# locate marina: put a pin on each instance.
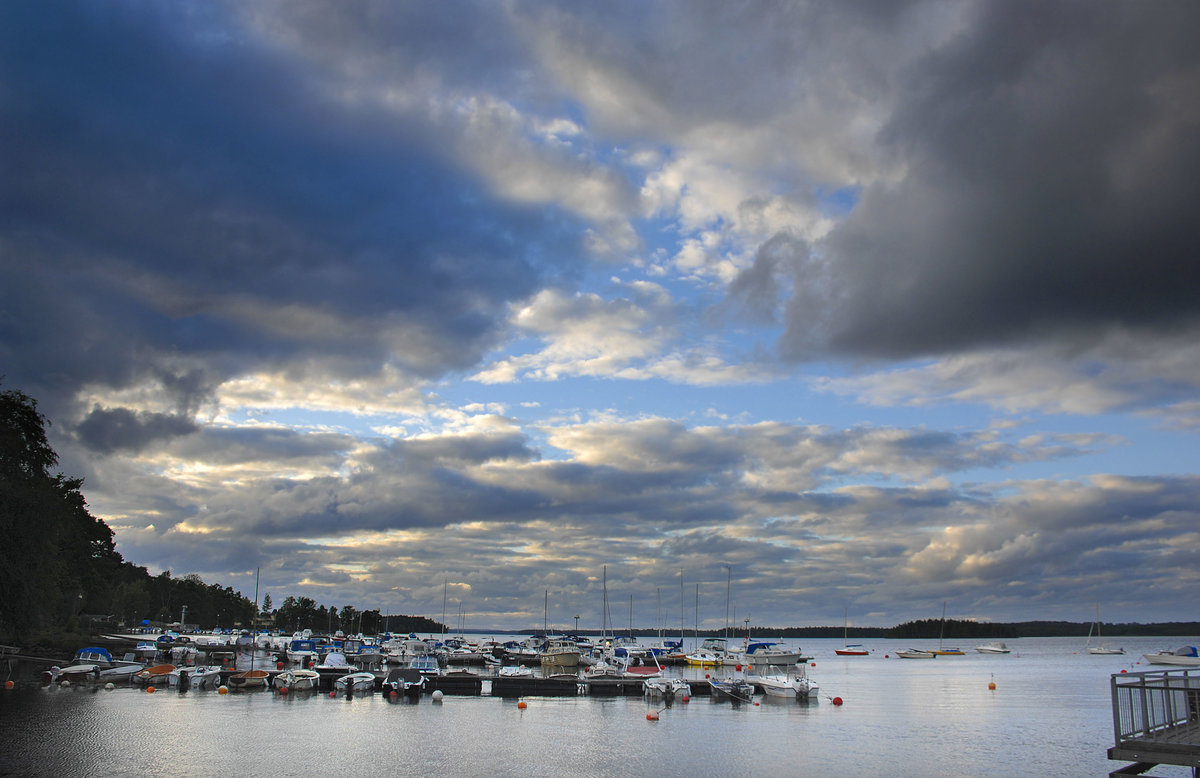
(1050, 712)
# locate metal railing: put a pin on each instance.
(1157, 705)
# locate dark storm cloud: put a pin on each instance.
(171, 188)
(107, 431)
(1049, 187)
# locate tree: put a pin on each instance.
(266, 606)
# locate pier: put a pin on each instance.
(1156, 720)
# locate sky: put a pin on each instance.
(740, 313)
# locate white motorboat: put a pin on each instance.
(667, 689)
(515, 671)
(406, 681)
(766, 653)
(995, 647)
(356, 682)
(792, 682)
(297, 680)
(1186, 656)
(198, 677)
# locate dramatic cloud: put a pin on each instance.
(885, 303)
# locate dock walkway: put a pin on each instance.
(1156, 720)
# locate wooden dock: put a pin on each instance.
(1156, 720)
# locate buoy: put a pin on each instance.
(814, 664)
(222, 689)
(283, 690)
(108, 687)
(1122, 669)
(437, 695)
(65, 685)
(392, 695)
(332, 695)
(756, 704)
(521, 705)
(149, 690)
(738, 668)
(279, 665)
(992, 685)
(837, 700)
(686, 699)
(652, 716)
(8, 684)
(706, 676)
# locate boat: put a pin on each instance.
(767, 653)
(297, 680)
(406, 681)
(916, 653)
(197, 677)
(666, 689)
(775, 681)
(1100, 648)
(151, 676)
(713, 652)
(355, 682)
(1185, 656)
(560, 655)
(939, 651)
(849, 649)
(304, 651)
(248, 679)
(733, 688)
(515, 671)
(995, 647)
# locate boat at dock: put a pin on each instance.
(248, 679)
(734, 688)
(792, 682)
(560, 655)
(404, 680)
(297, 680)
(356, 682)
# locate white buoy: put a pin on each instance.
(108, 687)
(437, 695)
(65, 684)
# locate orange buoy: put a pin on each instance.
(837, 700)
(521, 705)
(222, 690)
(149, 690)
(814, 664)
(8, 684)
(992, 685)
(686, 699)
(652, 716)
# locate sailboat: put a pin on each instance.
(1099, 648)
(849, 649)
(946, 651)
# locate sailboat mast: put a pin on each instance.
(681, 627)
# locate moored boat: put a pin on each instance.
(775, 681)
(248, 679)
(406, 681)
(916, 653)
(733, 688)
(995, 647)
(152, 676)
(1186, 656)
(297, 680)
(356, 682)
(560, 655)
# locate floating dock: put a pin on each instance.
(1156, 720)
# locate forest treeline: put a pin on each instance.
(61, 575)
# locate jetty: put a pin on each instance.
(1156, 720)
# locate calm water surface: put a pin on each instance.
(1050, 714)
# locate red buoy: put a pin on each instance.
(283, 690)
(652, 716)
(837, 700)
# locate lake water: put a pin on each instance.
(1050, 714)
